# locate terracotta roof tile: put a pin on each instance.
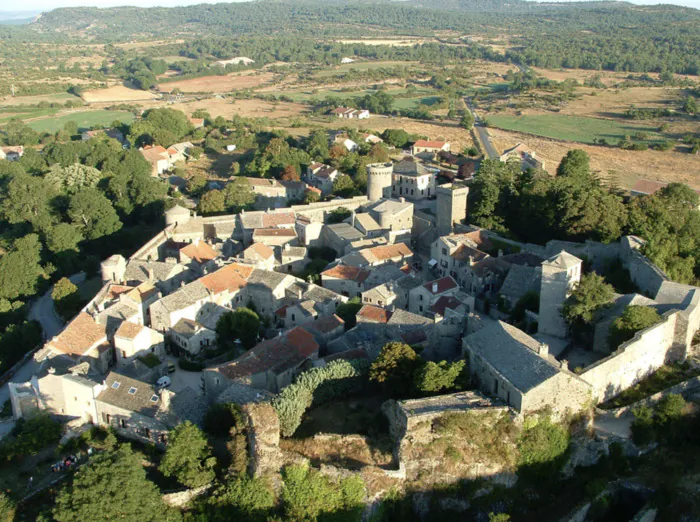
(142, 292)
(276, 219)
(374, 314)
(81, 334)
(326, 324)
(443, 285)
(274, 232)
(349, 273)
(231, 277)
(201, 252)
(445, 302)
(430, 144)
(464, 252)
(262, 250)
(129, 330)
(384, 252)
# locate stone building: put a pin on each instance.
(560, 275)
(260, 256)
(397, 254)
(510, 365)
(412, 180)
(345, 280)
(379, 180)
(451, 207)
(422, 298)
(270, 365)
(192, 336)
(136, 340)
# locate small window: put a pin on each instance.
(154, 398)
(116, 385)
(132, 391)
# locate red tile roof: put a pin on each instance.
(349, 273)
(201, 252)
(374, 314)
(430, 144)
(81, 334)
(129, 330)
(443, 285)
(276, 219)
(262, 250)
(276, 354)
(445, 302)
(326, 324)
(384, 252)
(464, 252)
(231, 277)
(274, 232)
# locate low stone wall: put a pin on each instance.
(650, 349)
(150, 248)
(682, 388)
(180, 499)
(318, 211)
(645, 274)
(263, 430)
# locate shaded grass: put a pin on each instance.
(84, 119)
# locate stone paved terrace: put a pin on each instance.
(454, 402)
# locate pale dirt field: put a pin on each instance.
(394, 42)
(628, 166)
(117, 93)
(151, 43)
(230, 82)
(614, 102)
(38, 98)
(245, 108)
(607, 77)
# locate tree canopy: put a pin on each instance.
(188, 456)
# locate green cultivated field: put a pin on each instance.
(571, 128)
(423, 95)
(84, 119)
(24, 114)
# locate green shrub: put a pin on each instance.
(188, 457)
(30, 436)
(242, 498)
(436, 377)
(190, 366)
(632, 320)
(151, 360)
(7, 509)
(220, 419)
(306, 495)
(542, 445)
(316, 386)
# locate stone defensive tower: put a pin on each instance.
(379, 178)
(451, 207)
(560, 274)
(177, 215)
(113, 269)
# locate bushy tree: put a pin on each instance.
(398, 138)
(394, 367)
(307, 495)
(346, 311)
(467, 121)
(212, 202)
(242, 498)
(238, 195)
(63, 237)
(7, 508)
(113, 486)
(435, 377)
(590, 295)
(632, 320)
(28, 200)
(575, 164)
(90, 210)
(243, 324)
(542, 446)
(72, 176)
(66, 298)
(188, 456)
(20, 269)
(290, 174)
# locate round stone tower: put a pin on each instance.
(177, 215)
(379, 176)
(113, 269)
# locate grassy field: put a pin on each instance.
(425, 96)
(570, 128)
(412, 103)
(11, 113)
(85, 120)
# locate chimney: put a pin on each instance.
(435, 288)
(242, 212)
(402, 200)
(543, 350)
(274, 182)
(165, 396)
(149, 271)
(196, 241)
(564, 364)
(286, 247)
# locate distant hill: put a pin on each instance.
(351, 18)
(18, 17)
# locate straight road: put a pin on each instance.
(490, 151)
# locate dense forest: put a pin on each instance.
(592, 35)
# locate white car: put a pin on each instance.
(163, 382)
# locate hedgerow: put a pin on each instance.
(316, 386)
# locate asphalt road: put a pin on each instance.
(490, 151)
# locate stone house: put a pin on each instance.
(248, 222)
(275, 237)
(260, 256)
(84, 340)
(164, 275)
(520, 281)
(192, 337)
(397, 254)
(301, 313)
(373, 314)
(411, 180)
(421, 298)
(454, 252)
(394, 216)
(403, 289)
(60, 388)
(198, 256)
(308, 232)
(158, 157)
(528, 158)
(428, 147)
(512, 366)
(292, 259)
(135, 340)
(270, 365)
(326, 329)
(137, 410)
(13, 153)
(322, 177)
(560, 275)
(345, 280)
(381, 295)
(347, 113)
(339, 235)
(272, 193)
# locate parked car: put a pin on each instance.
(163, 382)
(171, 367)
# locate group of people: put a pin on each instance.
(65, 465)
